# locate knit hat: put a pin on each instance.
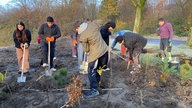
(82, 27)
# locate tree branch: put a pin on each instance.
(134, 3)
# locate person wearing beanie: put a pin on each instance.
(105, 33)
(134, 44)
(123, 48)
(48, 30)
(21, 37)
(95, 46)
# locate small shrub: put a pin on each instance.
(2, 77)
(166, 69)
(150, 60)
(189, 42)
(60, 76)
(186, 71)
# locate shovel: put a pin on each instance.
(85, 63)
(48, 72)
(22, 78)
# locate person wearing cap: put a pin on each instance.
(123, 48)
(95, 46)
(165, 31)
(48, 30)
(21, 37)
(134, 44)
(105, 33)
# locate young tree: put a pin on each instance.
(139, 5)
(109, 10)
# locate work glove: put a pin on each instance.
(22, 45)
(100, 70)
(74, 42)
(26, 45)
(170, 40)
(50, 39)
(157, 29)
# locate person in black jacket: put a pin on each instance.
(105, 33)
(48, 30)
(21, 37)
(134, 44)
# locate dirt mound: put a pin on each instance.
(119, 89)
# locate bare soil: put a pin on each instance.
(142, 90)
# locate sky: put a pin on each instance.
(4, 2)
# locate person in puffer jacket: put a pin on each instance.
(134, 44)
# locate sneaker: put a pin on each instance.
(74, 56)
(53, 69)
(45, 65)
(83, 72)
(54, 58)
(19, 72)
(92, 93)
(107, 69)
(27, 73)
(135, 71)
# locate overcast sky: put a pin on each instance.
(4, 2)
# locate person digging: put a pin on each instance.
(134, 44)
(96, 47)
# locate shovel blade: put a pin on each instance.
(21, 79)
(48, 73)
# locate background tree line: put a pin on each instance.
(137, 15)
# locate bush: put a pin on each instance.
(180, 27)
(60, 76)
(2, 77)
(189, 42)
(150, 60)
(186, 71)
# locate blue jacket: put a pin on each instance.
(119, 33)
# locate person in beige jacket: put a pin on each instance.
(95, 46)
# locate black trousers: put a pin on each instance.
(44, 53)
(103, 60)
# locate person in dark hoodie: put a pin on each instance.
(134, 44)
(21, 37)
(95, 46)
(105, 33)
(46, 31)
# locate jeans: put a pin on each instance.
(93, 76)
(80, 53)
(44, 49)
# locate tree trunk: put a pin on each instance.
(137, 19)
